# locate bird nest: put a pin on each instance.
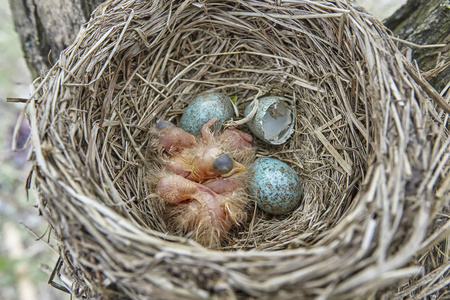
(370, 147)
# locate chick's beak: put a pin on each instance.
(237, 167)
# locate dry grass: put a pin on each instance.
(370, 147)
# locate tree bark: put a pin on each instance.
(426, 22)
(46, 27)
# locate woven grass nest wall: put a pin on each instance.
(370, 146)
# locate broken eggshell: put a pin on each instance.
(203, 108)
(273, 122)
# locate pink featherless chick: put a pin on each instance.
(204, 180)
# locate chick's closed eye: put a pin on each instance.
(223, 164)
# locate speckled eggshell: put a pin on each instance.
(205, 107)
(259, 126)
(275, 185)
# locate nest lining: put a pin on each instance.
(371, 159)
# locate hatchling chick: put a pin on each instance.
(203, 180)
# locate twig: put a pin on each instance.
(16, 100)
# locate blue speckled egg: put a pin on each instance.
(205, 107)
(275, 185)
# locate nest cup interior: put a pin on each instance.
(152, 76)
